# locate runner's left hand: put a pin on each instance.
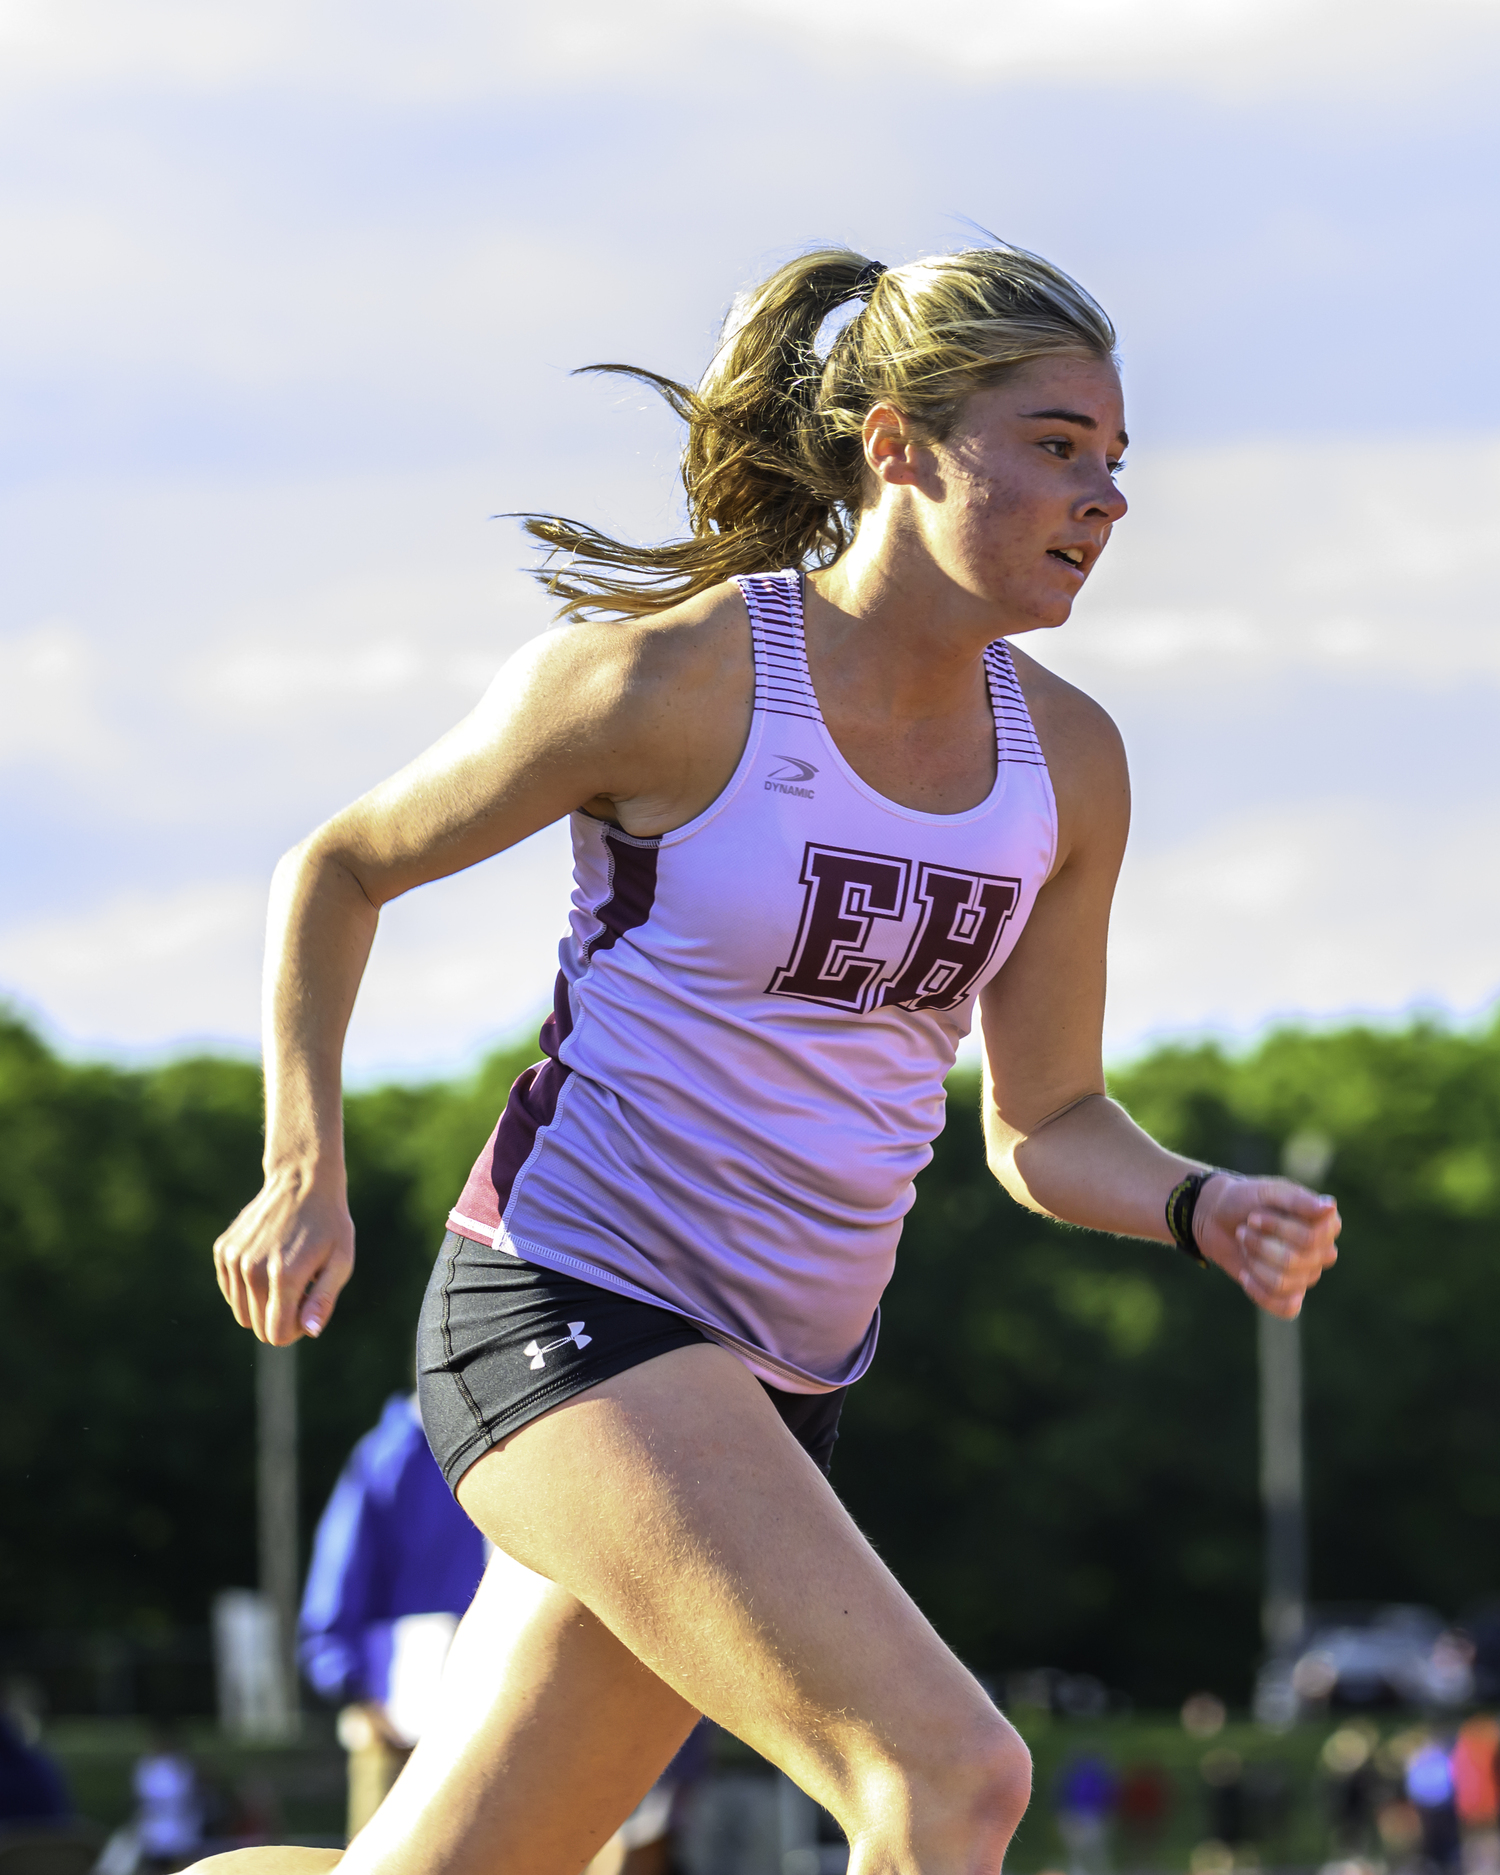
(1275, 1238)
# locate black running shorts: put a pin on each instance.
(501, 1342)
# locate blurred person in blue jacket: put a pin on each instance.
(169, 1803)
(32, 1789)
(1430, 1787)
(395, 1563)
(1084, 1797)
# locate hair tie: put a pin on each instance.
(864, 284)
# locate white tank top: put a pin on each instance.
(754, 1017)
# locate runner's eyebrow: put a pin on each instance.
(1073, 416)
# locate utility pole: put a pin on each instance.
(1284, 1609)
(1305, 1157)
(276, 1503)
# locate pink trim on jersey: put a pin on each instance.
(743, 1071)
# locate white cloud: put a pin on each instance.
(151, 280)
(468, 49)
(1333, 907)
(243, 656)
(166, 41)
(50, 709)
(144, 968)
(283, 680)
(458, 965)
(464, 963)
(1369, 557)
(341, 643)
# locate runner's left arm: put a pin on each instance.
(1055, 1140)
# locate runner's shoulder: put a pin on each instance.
(1074, 730)
(658, 660)
(1085, 757)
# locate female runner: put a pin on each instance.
(821, 811)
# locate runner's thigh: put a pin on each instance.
(673, 1503)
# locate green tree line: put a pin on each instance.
(1055, 1448)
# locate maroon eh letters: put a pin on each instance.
(846, 892)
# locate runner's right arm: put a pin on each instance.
(635, 724)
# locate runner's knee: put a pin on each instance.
(983, 1785)
(954, 1806)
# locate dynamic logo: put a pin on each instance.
(785, 780)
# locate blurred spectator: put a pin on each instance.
(395, 1563)
(169, 1805)
(1429, 1786)
(1452, 1668)
(1396, 1820)
(1084, 1796)
(1143, 1803)
(1482, 1625)
(1223, 1775)
(1476, 1793)
(1352, 1787)
(1400, 1827)
(1267, 1799)
(32, 1789)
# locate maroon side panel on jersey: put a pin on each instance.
(534, 1094)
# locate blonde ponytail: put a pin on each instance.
(774, 461)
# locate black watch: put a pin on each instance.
(1181, 1205)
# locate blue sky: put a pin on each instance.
(291, 297)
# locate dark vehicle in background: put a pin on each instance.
(1355, 1656)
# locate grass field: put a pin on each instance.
(299, 1790)
(1299, 1841)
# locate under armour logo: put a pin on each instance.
(796, 769)
(538, 1352)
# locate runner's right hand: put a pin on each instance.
(284, 1259)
